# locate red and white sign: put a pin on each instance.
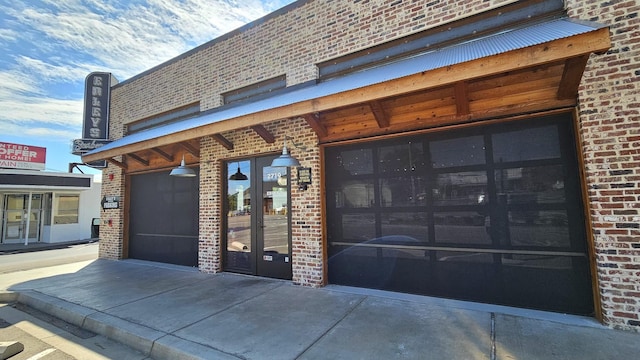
(17, 156)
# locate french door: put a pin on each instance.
(257, 222)
(20, 218)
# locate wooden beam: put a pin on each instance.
(163, 154)
(571, 76)
(223, 141)
(313, 120)
(139, 159)
(378, 112)
(264, 133)
(117, 163)
(192, 150)
(548, 52)
(462, 98)
(428, 121)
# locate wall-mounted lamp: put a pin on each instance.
(183, 170)
(285, 159)
(238, 175)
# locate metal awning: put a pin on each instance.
(350, 89)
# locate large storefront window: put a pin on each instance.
(66, 209)
(491, 214)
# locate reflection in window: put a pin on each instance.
(532, 185)
(355, 194)
(66, 209)
(539, 228)
(404, 228)
(528, 144)
(457, 152)
(358, 227)
(407, 191)
(461, 227)
(463, 188)
(401, 159)
(353, 162)
(537, 261)
(459, 256)
(239, 211)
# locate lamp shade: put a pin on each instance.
(238, 175)
(183, 170)
(285, 159)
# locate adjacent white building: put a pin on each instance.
(47, 207)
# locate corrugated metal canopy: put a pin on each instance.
(494, 44)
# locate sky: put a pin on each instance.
(48, 47)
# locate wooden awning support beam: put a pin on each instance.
(163, 154)
(192, 150)
(139, 159)
(264, 133)
(378, 112)
(530, 56)
(223, 141)
(462, 98)
(117, 163)
(314, 123)
(573, 70)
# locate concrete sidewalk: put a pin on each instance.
(16, 248)
(174, 312)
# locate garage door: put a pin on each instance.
(163, 221)
(490, 214)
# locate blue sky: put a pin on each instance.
(47, 48)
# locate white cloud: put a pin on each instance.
(52, 45)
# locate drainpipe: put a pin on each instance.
(26, 232)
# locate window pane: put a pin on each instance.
(539, 228)
(463, 188)
(66, 209)
(461, 227)
(352, 162)
(355, 194)
(401, 159)
(358, 227)
(409, 191)
(457, 152)
(528, 144)
(405, 228)
(532, 185)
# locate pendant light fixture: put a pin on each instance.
(285, 160)
(238, 175)
(183, 170)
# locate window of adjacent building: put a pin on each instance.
(66, 209)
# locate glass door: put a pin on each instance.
(273, 253)
(258, 218)
(18, 219)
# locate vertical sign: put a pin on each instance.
(97, 92)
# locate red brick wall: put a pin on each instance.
(315, 31)
(610, 130)
(306, 228)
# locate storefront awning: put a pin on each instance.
(507, 51)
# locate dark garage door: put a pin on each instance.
(491, 214)
(163, 223)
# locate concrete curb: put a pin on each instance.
(63, 310)
(150, 342)
(8, 297)
(133, 335)
(171, 347)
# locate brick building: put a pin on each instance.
(476, 150)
